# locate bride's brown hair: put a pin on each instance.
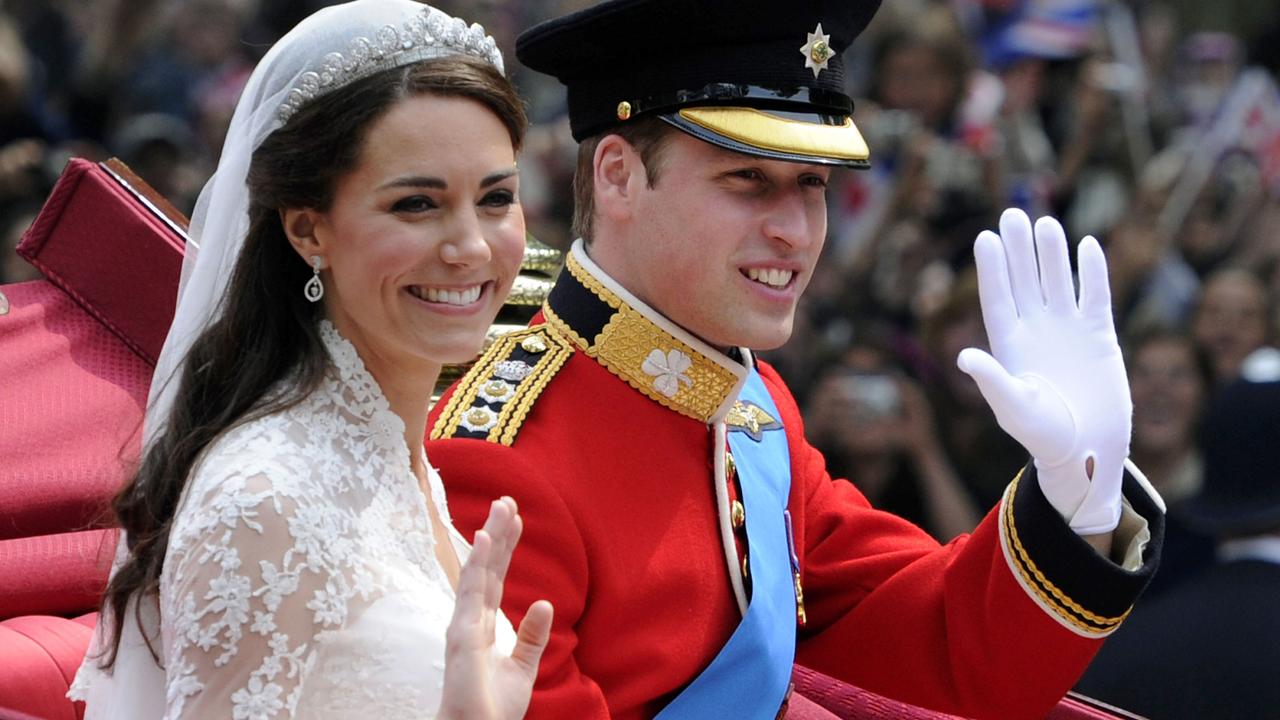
(266, 330)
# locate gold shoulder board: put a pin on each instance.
(495, 396)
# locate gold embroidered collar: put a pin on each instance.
(639, 345)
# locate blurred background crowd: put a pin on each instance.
(1153, 125)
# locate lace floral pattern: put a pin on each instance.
(301, 578)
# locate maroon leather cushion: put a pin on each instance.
(112, 252)
(39, 656)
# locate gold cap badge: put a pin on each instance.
(817, 51)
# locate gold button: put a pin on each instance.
(534, 344)
(497, 388)
(479, 416)
(738, 515)
(730, 467)
(746, 569)
(624, 110)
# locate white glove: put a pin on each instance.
(1057, 382)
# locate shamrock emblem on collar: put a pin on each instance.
(668, 370)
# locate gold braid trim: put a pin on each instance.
(517, 409)
(468, 387)
(629, 337)
(1033, 578)
(512, 412)
(559, 327)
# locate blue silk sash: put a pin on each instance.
(750, 675)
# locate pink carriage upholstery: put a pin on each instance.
(79, 348)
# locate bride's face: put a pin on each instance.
(425, 236)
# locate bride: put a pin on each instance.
(289, 549)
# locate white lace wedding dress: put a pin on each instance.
(301, 579)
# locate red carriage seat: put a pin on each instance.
(79, 348)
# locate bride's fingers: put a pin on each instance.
(502, 556)
(531, 639)
(513, 527)
(504, 526)
(500, 561)
(496, 524)
(500, 524)
(469, 609)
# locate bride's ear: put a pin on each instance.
(300, 226)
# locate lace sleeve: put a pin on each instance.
(250, 585)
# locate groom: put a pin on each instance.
(690, 539)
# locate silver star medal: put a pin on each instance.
(817, 52)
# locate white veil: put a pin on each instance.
(328, 50)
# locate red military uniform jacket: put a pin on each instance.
(606, 423)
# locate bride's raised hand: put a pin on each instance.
(479, 683)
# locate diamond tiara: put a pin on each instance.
(428, 34)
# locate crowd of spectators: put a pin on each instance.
(1153, 125)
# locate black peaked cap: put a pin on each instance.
(629, 58)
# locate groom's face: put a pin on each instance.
(721, 243)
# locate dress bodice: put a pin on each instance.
(301, 578)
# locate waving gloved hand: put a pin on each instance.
(1056, 382)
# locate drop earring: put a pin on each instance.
(314, 289)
